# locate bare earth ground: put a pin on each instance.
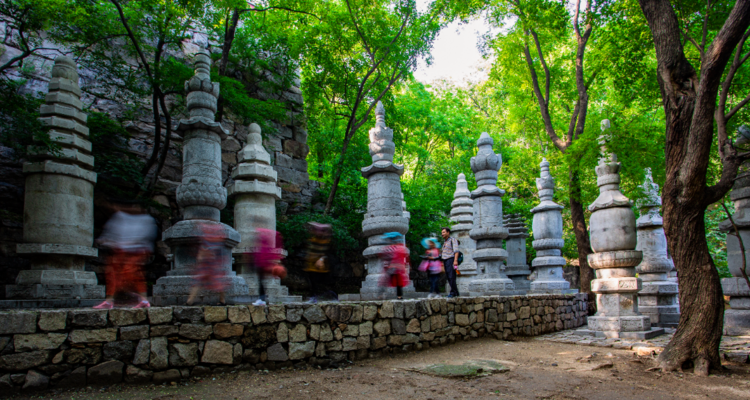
(538, 370)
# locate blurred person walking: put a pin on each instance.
(267, 256)
(432, 264)
(395, 263)
(316, 261)
(209, 274)
(450, 259)
(129, 235)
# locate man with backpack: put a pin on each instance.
(449, 256)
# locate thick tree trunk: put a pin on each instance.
(583, 243)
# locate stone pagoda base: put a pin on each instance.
(635, 327)
(656, 300)
(737, 318)
(275, 291)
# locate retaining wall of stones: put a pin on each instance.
(69, 348)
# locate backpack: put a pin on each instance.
(460, 257)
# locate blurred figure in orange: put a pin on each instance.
(316, 261)
(209, 274)
(129, 235)
(395, 263)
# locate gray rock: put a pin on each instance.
(38, 341)
(298, 333)
(18, 379)
(35, 381)
(398, 326)
(351, 330)
(17, 322)
(123, 317)
(137, 375)
(386, 310)
(106, 373)
(77, 378)
(170, 375)
(398, 309)
(159, 315)
(314, 314)
(93, 335)
(258, 313)
(382, 327)
(119, 350)
(5, 382)
(183, 354)
(294, 314)
(349, 344)
(164, 330)
(134, 332)
(159, 356)
(276, 313)
(299, 351)
(226, 331)
(52, 320)
(325, 333)
(188, 314)
(369, 312)
(282, 333)
(237, 354)
(24, 361)
(214, 314)
(410, 309)
(88, 318)
(142, 352)
(217, 352)
(239, 315)
(277, 353)
(88, 356)
(196, 332)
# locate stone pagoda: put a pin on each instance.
(548, 239)
(462, 217)
(613, 239)
(516, 268)
(488, 230)
(58, 221)
(200, 195)
(737, 318)
(385, 208)
(255, 193)
(658, 295)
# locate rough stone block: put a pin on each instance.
(159, 315)
(239, 315)
(142, 352)
(24, 361)
(414, 326)
(106, 373)
(398, 327)
(119, 350)
(349, 344)
(188, 314)
(314, 315)
(462, 319)
(378, 343)
(195, 331)
(258, 313)
(276, 313)
(136, 375)
(298, 333)
(314, 332)
(121, 317)
(159, 355)
(382, 327)
(88, 318)
(277, 353)
(299, 351)
(183, 354)
(369, 312)
(38, 341)
(88, 356)
(214, 314)
(282, 333)
(17, 322)
(170, 375)
(363, 342)
(365, 328)
(93, 335)
(35, 381)
(218, 352)
(294, 314)
(386, 310)
(77, 378)
(226, 331)
(326, 335)
(134, 332)
(52, 320)
(351, 330)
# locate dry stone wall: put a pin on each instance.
(61, 348)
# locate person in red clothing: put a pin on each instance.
(129, 235)
(209, 263)
(395, 263)
(267, 256)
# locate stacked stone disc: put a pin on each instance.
(516, 268)
(737, 318)
(658, 295)
(488, 230)
(255, 193)
(613, 239)
(462, 217)
(385, 207)
(58, 224)
(200, 195)
(548, 239)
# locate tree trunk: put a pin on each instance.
(583, 243)
(337, 173)
(229, 33)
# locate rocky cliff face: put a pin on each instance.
(285, 140)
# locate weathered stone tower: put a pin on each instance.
(201, 194)
(488, 229)
(658, 295)
(613, 239)
(462, 216)
(385, 207)
(548, 239)
(255, 193)
(516, 268)
(58, 223)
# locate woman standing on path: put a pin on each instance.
(432, 264)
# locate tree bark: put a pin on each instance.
(689, 101)
(583, 243)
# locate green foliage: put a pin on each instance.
(294, 231)
(116, 166)
(717, 240)
(20, 127)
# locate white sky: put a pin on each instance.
(455, 55)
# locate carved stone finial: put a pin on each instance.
(202, 93)
(380, 114)
(486, 163)
(382, 147)
(545, 183)
(651, 200)
(254, 136)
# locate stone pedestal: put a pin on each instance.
(658, 295)
(613, 239)
(548, 239)
(255, 193)
(58, 223)
(385, 209)
(201, 195)
(462, 217)
(516, 268)
(488, 230)
(737, 318)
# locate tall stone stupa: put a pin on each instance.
(462, 217)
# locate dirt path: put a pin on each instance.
(538, 370)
